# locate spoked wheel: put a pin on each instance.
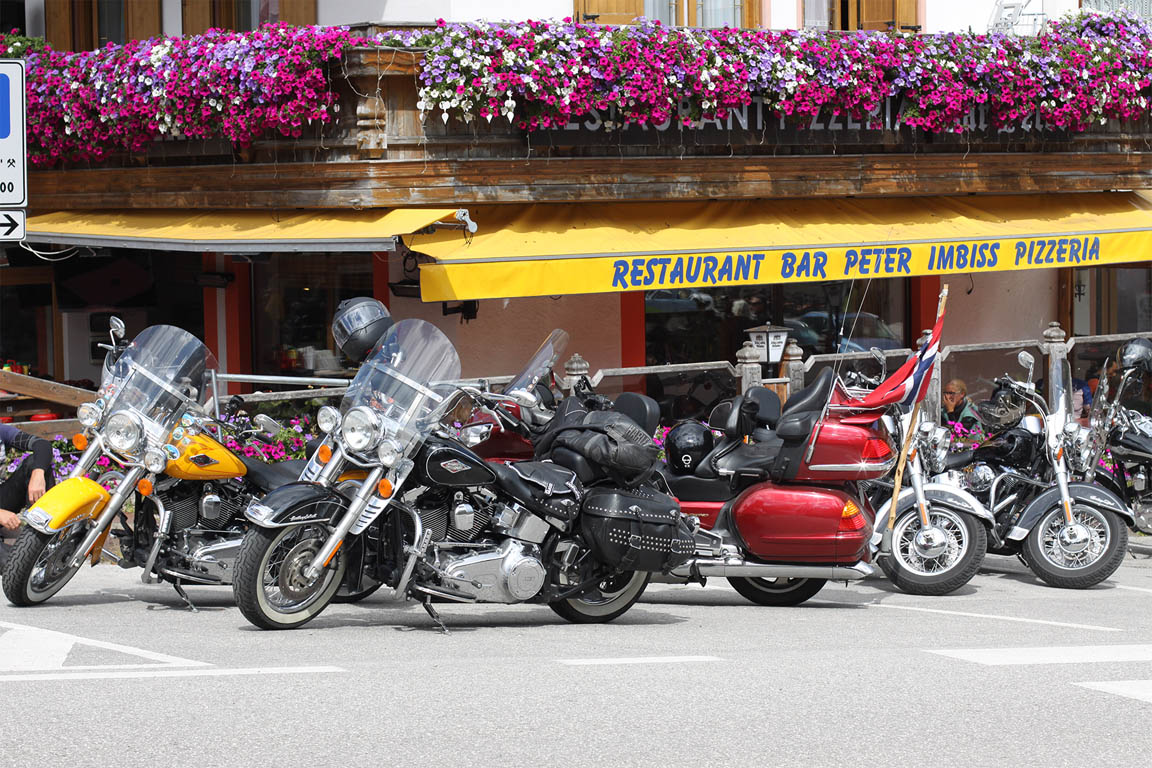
(776, 591)
(938, 559)
(271, 586)
(606, 601)
(38, 566)
(1080, 554)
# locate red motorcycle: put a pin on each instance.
(777, 499)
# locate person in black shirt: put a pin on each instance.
(24, 486)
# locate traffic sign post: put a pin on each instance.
(13, 141)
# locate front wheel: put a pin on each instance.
(270, 585)
(935, 560)
(606, 601)
(1077, 555)
(778, 592)
(38, 566)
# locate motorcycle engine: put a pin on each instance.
(508, 572)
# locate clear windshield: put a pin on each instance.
(403, 378)
(541, 363)
(163, 372)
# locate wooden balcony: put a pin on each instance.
(380, 154)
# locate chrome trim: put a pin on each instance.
(1016, 533)
(860, 466)
(159, 537)
(738, 566)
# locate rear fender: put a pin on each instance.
(66, 503)
(296, 504)
(947, 496)
(1088, 494)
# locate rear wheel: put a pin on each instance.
(776, 591)
(937, 560)
(271, 586)
(37, 567)
(1077, 555)
(606, 601)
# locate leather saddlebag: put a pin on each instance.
(636, 530)
(551, 490)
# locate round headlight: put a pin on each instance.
(155, 461)
(328, 419)
(123, 432)
(88, 414)
(389, 452)
(361, 429)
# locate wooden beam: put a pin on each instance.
(49, 429)
(386, 183)
(45, 390)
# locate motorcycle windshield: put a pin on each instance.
(405, 379)
(541, 363)
(163, 372)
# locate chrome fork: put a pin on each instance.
(127, 486)
(336, 538)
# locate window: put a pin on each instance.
(818, 14)
(87, 24)
(1142, 8)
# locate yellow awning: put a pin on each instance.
(235, 231)
(548, 249)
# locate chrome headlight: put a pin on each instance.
(328, 419)
(389, 452)
(88, 414)
(360, 429)
(123, 432)
(155, 461)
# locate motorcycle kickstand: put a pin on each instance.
(427, 603)
(184, 596)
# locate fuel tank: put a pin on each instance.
(203, 458)
(803, 523)
(451, 464)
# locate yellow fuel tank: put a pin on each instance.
(203, 458)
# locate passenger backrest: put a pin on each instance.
(814, 396)
(768, 403)
(641, 409)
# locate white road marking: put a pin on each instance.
(1140, 690)
(1092, 627)
(638, 660)
(1057, 654)
(1133, 589)
(162, 672)
(31, 648)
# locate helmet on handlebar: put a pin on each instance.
(1002, 410)
(358, 324)
(686, 446)
(1136, 353)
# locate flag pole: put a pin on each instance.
(886, 545)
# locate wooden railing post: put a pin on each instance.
(792, 367)
(748, 367)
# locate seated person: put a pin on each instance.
(24, 486)
(955, 407)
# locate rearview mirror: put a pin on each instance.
(1027, 361)
(882, 359)
(524, 397)
(117, 327)
(266, 423)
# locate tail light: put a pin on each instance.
(851, 518)
(876, 448)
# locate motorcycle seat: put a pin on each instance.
(814, 396)
(543, 487)
(268, 477)
(767, 410)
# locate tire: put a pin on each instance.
(609, 600)
(779, 592)
(254, 567)
(1048, 559)
(35, 570)
(911, 572)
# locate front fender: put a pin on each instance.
(1088, 494)
(295, 504)
(945, 495)
(67, 502)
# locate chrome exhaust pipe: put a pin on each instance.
(736, 566)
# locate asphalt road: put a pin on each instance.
(1006, 672)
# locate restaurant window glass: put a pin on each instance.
(294, 299)
(709, 324)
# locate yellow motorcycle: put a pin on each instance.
(190, 489)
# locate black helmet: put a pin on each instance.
(358, 325)
(1136, 353)
(1002, 410)
(686, 446)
